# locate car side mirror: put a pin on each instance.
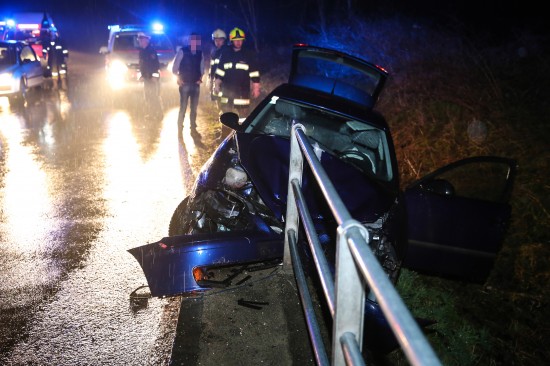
(231, 120)
(439, 186)
(103, 50)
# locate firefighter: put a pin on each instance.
(219, 38)
(237, 76)
(56, 54)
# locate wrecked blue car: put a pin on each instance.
(449, 223)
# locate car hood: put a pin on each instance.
(266, 158)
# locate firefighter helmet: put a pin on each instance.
(218, 33)
(236, 34)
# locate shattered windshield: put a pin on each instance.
(356, 142)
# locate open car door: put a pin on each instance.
(337, 73)
(457, 217)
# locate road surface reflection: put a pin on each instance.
(80, 183)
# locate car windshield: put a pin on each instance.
(7, 56)
(359, 143)
(126, 42)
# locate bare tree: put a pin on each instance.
(321, 9)
(248, 8)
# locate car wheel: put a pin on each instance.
(177, 222)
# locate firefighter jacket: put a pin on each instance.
(236, 70)
(215, 60)
(54, 51)
(149, 64)
(189, 66)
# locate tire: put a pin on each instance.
(177, 222)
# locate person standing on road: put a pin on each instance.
(189, 68)
(149, 68)
(219, 38)
(237, 77)
(56, 54)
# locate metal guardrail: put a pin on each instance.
(355, 263)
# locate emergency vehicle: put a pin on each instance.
(122, 54)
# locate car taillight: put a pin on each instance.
(199, 275)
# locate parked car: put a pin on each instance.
(122, 55)
(20, 71)
(235, 212)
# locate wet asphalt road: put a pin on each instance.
(82, 181)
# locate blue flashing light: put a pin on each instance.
(10, 23)
(158, 27)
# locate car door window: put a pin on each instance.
(478, 179)
(27, 54)
(6, 56)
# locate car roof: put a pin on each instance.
(133, 28)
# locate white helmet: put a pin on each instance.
(218, 33)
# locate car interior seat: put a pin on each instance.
(371, 140)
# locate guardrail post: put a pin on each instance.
(349, 291)
(295, 174)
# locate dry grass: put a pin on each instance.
(449, 98)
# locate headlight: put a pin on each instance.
(118, 67)
(6, 80)
(235, 177)
(116, 74)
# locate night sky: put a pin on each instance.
(83, 23)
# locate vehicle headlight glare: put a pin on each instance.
(118, 67)
(6, 79)
(116, 74)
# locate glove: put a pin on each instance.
(255, 90)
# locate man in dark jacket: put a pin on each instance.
(189, 67)
(149, 68)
